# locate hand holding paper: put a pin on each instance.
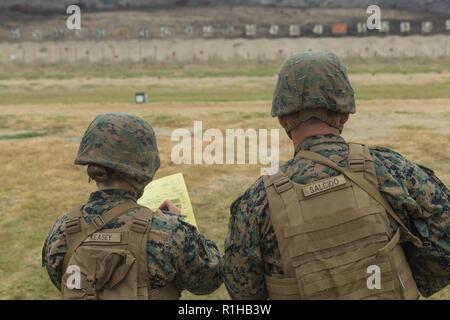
(171, 188)
(168, 205)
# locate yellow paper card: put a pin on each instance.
(171, 187)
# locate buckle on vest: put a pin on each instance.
(98, 222)
(282, 185)
(139, 225)
(73, 225)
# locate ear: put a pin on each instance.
(344, 118)
(282, 121)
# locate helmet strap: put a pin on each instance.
(321, 114)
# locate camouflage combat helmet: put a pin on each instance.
(312, 81)
(124, 143)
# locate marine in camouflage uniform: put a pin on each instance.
(318, 80)
(180, 255)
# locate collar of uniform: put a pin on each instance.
(322, 139)
(111, 195)
(103, 200)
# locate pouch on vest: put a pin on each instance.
(334, 235)
(110, 263)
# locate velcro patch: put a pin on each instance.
(323, 185)
(104, 237)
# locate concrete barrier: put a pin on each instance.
(180, 50)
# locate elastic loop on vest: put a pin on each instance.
(283, 185)
(356, 158)
(73, 226)
(139, 225)
(357, 165)
(91, 293)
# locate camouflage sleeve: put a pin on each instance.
(187, 259)
(243, 261)
(54, 250)
(422, 201)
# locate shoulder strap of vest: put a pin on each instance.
(366, 186)
(138, 239)
(137, 244)
(284, 211)
(361, 162)
(77, 230)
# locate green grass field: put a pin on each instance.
(43, 116)
(212, 69)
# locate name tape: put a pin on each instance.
(323, 185)
(104, 237)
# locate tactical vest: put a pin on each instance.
(110, 263)
(334, 235)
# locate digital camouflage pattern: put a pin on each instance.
(313, 80)
(109, 133)
(416, 195)
(181, 255)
